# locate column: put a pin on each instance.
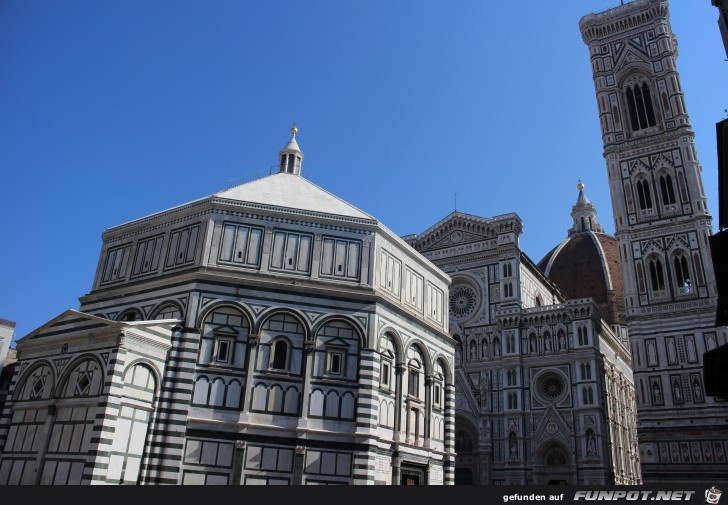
(251, 356)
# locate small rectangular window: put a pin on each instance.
(335, 363)
(413, 383)
(384, 379)
(222, 350)
(438, 393)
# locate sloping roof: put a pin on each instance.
(293, 192)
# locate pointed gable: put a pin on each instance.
(291, 192)
(459, 228)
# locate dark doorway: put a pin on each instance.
(412, 475)
(463, 476)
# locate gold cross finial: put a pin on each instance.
(294, 130)
(580, 185)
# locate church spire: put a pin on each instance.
(584, 214)
(291, 156)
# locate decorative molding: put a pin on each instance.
(134, 342)
(61, 363)
(295, 212)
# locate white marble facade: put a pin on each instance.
(543, 387)
(268, 334)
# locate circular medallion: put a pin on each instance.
(552, 428)
(456, 237)
(551, 387)
(463, 301)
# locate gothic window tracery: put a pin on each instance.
(657, 276)
(682, 273)
(639, 105)
(643, 194)
(667, 189)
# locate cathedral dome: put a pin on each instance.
(586, 264)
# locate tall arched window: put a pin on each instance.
(507, 270)
(639, 103)
(510, 343)
(667, 189)
(640, 278)
(657, 278)
(586, 371)
(682, 274)
(643, 194)
(587, 395)
(583, 336)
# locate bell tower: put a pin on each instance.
(662, 225)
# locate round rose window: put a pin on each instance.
(551, 387)
(463, 302)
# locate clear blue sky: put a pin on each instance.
(110, 111)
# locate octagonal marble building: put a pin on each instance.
(268, 334)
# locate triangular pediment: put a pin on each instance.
(70, 321)
(552, 427)
(632, 56)
(459, 228)
(74, 323)
(336, 341)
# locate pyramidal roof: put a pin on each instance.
(292, 192)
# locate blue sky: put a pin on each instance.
(110, 111)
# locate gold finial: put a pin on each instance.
(294, 130)
(580, 186)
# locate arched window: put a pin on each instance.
(657, 277)
(682, 275)
(510, 343)
(639, 103)
(583, 336)
(280, 355)
(507, 270)
(587, 395)
(586, 371)
(667, 189)
(538, 301)
(512, 401)
(507, 290)
(643, 194)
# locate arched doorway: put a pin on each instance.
(555, 465)
(466, 447)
